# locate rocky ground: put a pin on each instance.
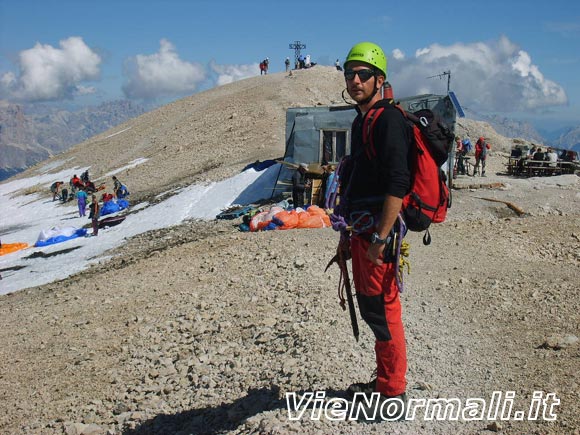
(202, 329)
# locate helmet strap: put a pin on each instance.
(350, 103)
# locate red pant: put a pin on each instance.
(378, 299)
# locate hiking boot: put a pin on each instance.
(378, 408)
(361, 387)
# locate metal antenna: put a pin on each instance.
(443, 74)
(297, 46)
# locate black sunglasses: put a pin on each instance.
(363, 74)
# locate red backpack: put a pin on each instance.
(429, 198)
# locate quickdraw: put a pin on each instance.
(402, 249)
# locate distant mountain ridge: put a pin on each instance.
(509, 127)
(29, 135)
(569, 139)
(512, 128)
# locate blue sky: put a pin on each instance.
(515, 58)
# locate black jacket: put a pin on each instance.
(389, 173)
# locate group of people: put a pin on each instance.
(539, 154)
(548, 154)
(59, 191)
(81, 187)
(463, 147)
(304, 62)
(300, 63)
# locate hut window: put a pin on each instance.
(333, 144)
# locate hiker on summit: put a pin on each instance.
(264, 66)
(375, 191)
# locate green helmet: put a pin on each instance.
(370, 53)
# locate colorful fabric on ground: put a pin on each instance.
(59, 235)
(8, 248)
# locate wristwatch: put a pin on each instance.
(376, 240)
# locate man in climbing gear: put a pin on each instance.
(378, 182)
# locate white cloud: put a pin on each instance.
(161, 74)
(48, 73)
(398, 54)
(494, 76)
(85, 90)
(231, 73)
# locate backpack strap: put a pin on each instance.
(368, 133)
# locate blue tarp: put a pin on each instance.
(81, 232)
(114, 206)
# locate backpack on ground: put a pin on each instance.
(429, 197)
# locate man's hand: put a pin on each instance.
(374, 253)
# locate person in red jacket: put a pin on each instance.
(481, 150)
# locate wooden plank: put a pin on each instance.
(316, 191)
